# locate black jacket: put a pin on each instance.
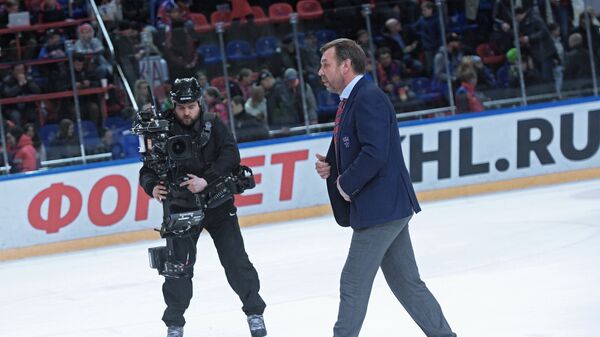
(217, 158)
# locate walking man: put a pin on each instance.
(370, 190)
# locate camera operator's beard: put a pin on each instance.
(187, 121)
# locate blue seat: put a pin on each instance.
(117, 123)
(457, 23)
(422, 86)
(210, 52)
(48, 133)
(266, 46)
(327, 103)
(240, 50)
(503, 76)
(324, 36)
(301, 37)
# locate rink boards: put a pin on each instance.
(503, 149)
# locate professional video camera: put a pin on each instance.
(164, 152)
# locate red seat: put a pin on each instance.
(220, 16)
(260, 18)
(201, 24)
(219, 83)
(309, 9)
(489, 55)
(280, 12)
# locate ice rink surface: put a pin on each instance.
(512, 264)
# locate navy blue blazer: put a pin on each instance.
(370, 163)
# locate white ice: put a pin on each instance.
(513, 264)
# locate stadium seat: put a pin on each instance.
(490, 56)
(457, 23)
(239, 50)
(47, 133)
(266, 46)
(201, 24)
(309, 9)
(423, 88)
(324, 36)
(210, 52)
(301, 37)
(260, 18)
(280, 12)
(327, 103)
(221, 16)
(219, 82)
(117, 123)
(503, 76)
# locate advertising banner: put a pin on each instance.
(90, 201)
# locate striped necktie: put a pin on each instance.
(338, 118)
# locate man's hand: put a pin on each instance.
(323, 168)
(344, 195)
(195, 184)
(159, 192)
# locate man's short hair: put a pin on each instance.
(575, 40)
(346, 49)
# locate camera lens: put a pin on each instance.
(178, 147)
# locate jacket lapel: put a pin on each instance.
(347, 110)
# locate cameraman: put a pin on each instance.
(212, 158)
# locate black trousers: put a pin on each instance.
(241, 275)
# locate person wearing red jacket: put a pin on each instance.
(24, 156)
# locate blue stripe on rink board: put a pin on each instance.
(299, 138)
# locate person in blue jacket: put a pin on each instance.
(370, 190)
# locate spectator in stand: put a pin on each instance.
(179, 47)
(106, 144)
(530, 74)
(502, 35)
(215, 104)
(241, 87)
(247, 127)
(294, 97)
(535, 39)
(428, 30)
(24, 156)
(562, 11)
(577, 63)
(65, 144)
(172, 10)
(140, 91)
(19, 83)
(387, 67)
(58, 71)
(256, 105)
(8, 42)
(362, 39)
(31, 131)
(111, 12)
(54, 46)
(89, 45)
(86, 78)
(485, 77)
(311, 61)
(277, 108)
(202, 80)
(127, 50)
(454, 52)
(136, 11)
(467, 98)
(557, 70)
(51, 11)
(402, 45)
(10, 6)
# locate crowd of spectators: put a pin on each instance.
(414, 67)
